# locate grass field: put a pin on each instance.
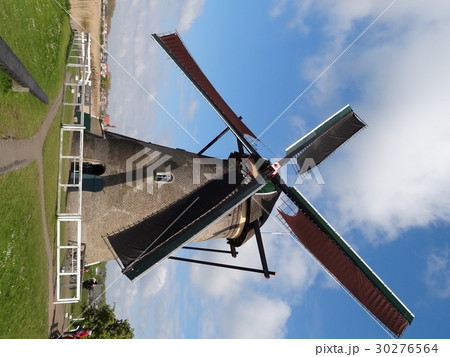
(38, 32)
(23, 259)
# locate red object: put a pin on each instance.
(342, 267)
(173, 45)
(82, 333)
(274, 167)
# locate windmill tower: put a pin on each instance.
(153, 200)
(147, 190)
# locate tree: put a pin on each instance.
(104, 324)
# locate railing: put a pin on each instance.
(69, 262)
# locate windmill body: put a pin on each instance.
(146, 188)
(154, 200)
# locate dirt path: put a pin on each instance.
(17, 154)
(86, 16)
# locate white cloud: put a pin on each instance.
(224, 284)
(149, 303)
(297, 12)
(437, 275)
(254, 316)
(403, 156)
(294, 267)
(116, 284)
(394, 174)
(135, 65)
(298, 124)
(190, 10)
(245, 304)
(392, 177)
(192, 109)
(278, 7)
(153, 283)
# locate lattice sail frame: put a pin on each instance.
(343, 263)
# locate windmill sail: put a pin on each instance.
(145, 244)
(322, 141)
(344, 264)
(306, 224)
(173, 45)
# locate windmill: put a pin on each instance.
(250, 174)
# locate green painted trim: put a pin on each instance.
(304, 205)
(308, 138)
(172, 244)
(269, 187)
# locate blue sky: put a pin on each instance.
(386, 191)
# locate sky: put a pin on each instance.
(285, 66)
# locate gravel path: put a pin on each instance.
(17, 154)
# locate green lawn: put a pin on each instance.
(38, 32)
(23, 259)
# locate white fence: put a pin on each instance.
(70, 252)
